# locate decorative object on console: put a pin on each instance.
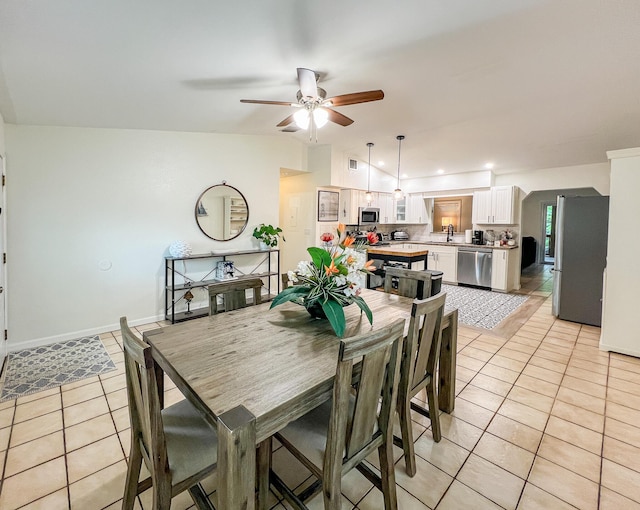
(268, 234)
(397, 193)
(180, 249)
(188, 296)
(331, 280)
(225, 270)
(369, 196)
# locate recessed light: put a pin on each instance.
(381, 163)
(440, 171)
(489, 166)
(404, 176)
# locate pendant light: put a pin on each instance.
(369, 196)
(397, 193)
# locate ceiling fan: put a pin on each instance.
(314, 108)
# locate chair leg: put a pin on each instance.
(434, 412)
(161, 495)
(133, 474)
(388, 475)
(332, 491)
(404, 413)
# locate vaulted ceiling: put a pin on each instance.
(526, 84)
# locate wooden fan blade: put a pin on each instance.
(356, 97)
(307, 81)
(286, 121)
(338, 118)
(291, 129)
(258, 101)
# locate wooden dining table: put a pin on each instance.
(254, 370)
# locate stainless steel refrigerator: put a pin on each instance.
(580, 258)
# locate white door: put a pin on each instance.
(3, 267)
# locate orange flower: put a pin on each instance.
(348, 241)
(369, 266)
(332, 269)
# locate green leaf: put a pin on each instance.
(364, 307)
(335, 314)
(290, 294)
(319, 256)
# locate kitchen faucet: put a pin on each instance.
(450, 233)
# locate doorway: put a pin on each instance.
(548, 232)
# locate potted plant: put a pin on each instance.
(331, 280)
(268, 235)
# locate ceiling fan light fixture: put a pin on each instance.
(301, 118)
(397, 193)
(320, 117)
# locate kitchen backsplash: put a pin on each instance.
(421, 233)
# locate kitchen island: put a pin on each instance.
(405, 256)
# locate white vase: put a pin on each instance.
(263, 245)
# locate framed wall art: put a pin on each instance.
(328, 205)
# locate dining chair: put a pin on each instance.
(421, 352)
(411, 282)
(178, 446)
(336, 436)
(233, 294)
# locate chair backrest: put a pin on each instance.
(411, 283)
(144, 401)
(285, 280)
(422, 344)
(357, 421)
(233, 294)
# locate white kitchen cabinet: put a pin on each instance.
(400, 210)
(417, 209)
(495, 206)
(349, 203)
(445, 259)
(502, 274)
(385, 203)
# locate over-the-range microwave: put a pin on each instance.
(368, 215)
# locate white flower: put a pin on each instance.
(292, 276)
(303, 268)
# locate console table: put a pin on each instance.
(182, 274)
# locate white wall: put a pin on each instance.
(579, 176)
(81, 199)
(620, 332)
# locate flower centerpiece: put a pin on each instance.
(268, 234)
(331, 280)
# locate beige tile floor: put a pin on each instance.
(543, 420)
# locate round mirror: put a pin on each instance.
(222, 212)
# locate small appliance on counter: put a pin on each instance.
(399, 235)
(478, 237)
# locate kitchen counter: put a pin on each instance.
(397, 251)
(459, 245)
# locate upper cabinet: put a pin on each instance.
(417, 209)
(349, 200)
(496, 206)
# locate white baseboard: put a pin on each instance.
(616, 348)
(37, 342)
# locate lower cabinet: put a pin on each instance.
(502, 270)
(445, 259)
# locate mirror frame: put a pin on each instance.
(196, 215)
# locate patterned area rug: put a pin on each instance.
(481, 308)
(41, 368)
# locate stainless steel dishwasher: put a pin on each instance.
(474, 266)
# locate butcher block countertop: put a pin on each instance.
(398, 251)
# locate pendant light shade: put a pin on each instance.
(397, 193)
(369, 196)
